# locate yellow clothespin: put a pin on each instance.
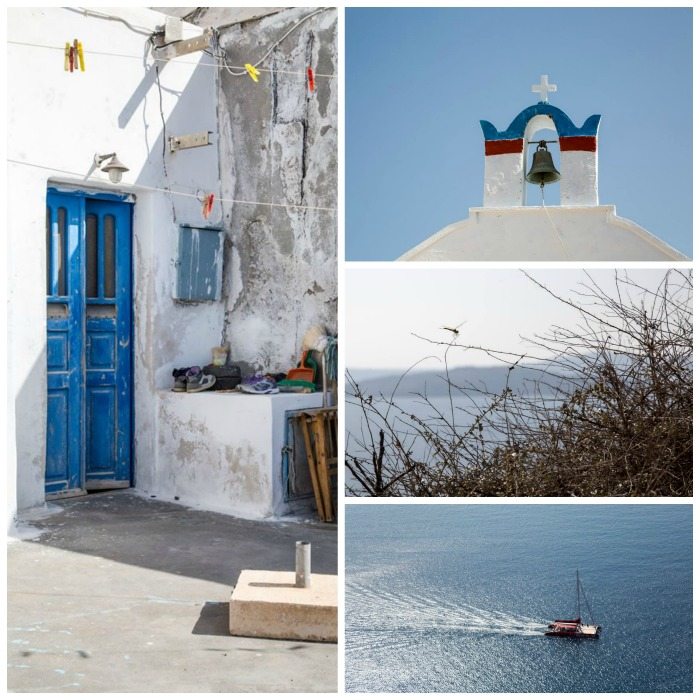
(253, 72)
(81, 57)
(66, 57)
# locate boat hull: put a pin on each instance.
(574, 631)
(573, 635)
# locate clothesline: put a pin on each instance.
(165, 60)
(168, 190)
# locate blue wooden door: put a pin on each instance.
(88, 343)
(64, 342)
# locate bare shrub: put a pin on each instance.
(610, 413)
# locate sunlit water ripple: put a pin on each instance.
(457, 598)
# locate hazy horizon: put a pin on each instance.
(388, 309)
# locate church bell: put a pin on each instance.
(542, 171)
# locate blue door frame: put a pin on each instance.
(89, 349)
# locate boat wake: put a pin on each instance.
(371, 612)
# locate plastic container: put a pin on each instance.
(219, 355)
(306, 374)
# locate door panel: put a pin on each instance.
(64, 344)
(108, 344)
(88, 343)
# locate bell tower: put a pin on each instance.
(505, 165)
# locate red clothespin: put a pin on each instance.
(310, 77)
(72, 59)
(207, 205)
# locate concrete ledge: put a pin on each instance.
(268, 604)
(222, 451)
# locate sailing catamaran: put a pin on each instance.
(575, 628)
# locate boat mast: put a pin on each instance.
(588, 605)
(578, 597)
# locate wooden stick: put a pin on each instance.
(303, 421)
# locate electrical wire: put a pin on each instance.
(220, 53)
(171, 60)
(104, 15)
(165, 138)
(168, 190)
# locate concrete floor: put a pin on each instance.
(125, 594)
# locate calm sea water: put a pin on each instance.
(456, 598)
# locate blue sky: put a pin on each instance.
(380, 326)
(419, 80)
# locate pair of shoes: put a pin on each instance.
(264, 386)
(198, 381)
(180, 379)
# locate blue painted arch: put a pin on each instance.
(563, 124)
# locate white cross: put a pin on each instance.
(544, 87)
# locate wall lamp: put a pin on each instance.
(114, 168)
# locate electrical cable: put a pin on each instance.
(171, 60)
(167, 191)
(221, 53)
(104, 15)
(165, 138)
(220, 56)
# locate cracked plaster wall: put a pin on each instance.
(58, 121)
(223, 451)
(272, 142)
(279, 144)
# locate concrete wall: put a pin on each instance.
(223, 451)
(579, 178)
(58, 120)
(504, 180)
(281, 144)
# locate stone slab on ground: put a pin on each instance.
(124, 594)
(268, 604)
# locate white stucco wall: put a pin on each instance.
(504, 180)
(504, 175)
(579, 178)
(59, 120)
(542, 234)
(223, 451)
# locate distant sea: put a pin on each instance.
(456, 598)
(465, 408)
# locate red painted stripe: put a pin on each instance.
(578, 143)
(496, 148)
